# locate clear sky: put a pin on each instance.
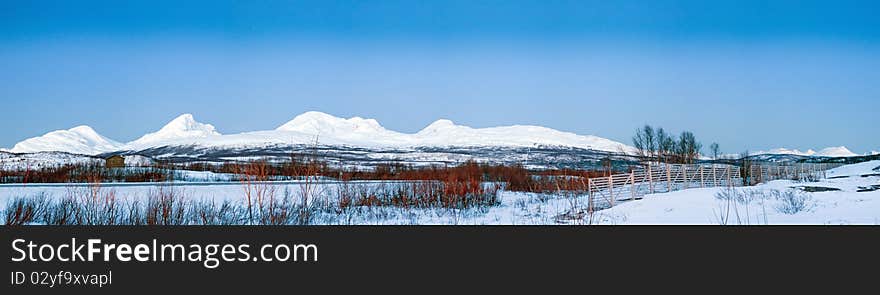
(747, 74)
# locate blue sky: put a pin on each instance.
(747, 74)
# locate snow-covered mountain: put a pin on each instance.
(785, 151)
(357, 131)
(182, 127)
(837, 151)
(86, 141)
(352, 131)
(447, 133)
(79, 140)
(325, 129)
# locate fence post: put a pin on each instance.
(650, 179)
(632, 182)
(759, 177)
(590, 196)
(702, 180)
(684, 171)
(668, 179)
(760, 174)
(611, 188)
(729, 184)
(714, 176)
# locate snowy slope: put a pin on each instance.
(78, 140)
(182, 127)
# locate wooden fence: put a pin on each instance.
(606, 191)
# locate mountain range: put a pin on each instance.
(837, 151)
(317, 128)
(360, 141)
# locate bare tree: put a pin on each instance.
(665, 145)
(607, 165)
(716, 150)
(650, 140)
(639, 142)
(657, 144)
(645, 141)
(688, 147)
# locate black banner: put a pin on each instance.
(414, 259)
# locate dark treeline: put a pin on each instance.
(86, 173)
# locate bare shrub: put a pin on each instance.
(165, 206)
(61, 212)
(134, 213)
(736, 206)
(792, 201)
(25, 210)
(208, 212)
(88, 205)
(279, 211)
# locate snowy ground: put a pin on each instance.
(700, 206)
(761, 204)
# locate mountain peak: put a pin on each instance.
(836, 151)
(442, 123)
(314, 122)
(316, 116)
(83, 129)
(186, 122)
(184, 126)
(78, 140)
(437, 126)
